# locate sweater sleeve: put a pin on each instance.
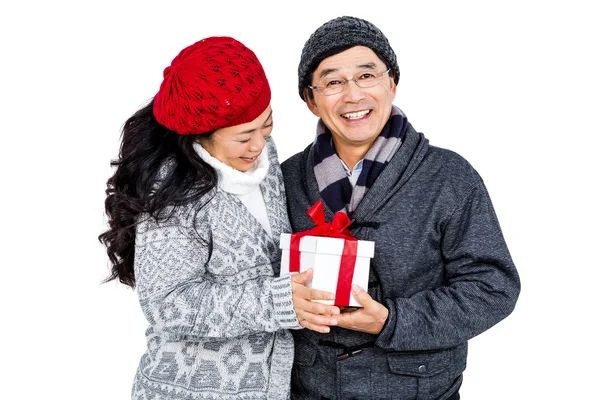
(482, 284)
(179, 297)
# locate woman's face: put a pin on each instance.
(239, 146)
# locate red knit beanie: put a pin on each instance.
(214, 83)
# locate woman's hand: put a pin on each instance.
(312, 315)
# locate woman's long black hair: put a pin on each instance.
(135, 187)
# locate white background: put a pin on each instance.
(513, 86)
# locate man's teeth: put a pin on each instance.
(355, 115)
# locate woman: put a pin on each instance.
(196, 207)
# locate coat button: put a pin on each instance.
(422, 368)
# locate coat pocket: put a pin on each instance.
(310, 378)
(304, 354)
(419, 364)
(435, 372)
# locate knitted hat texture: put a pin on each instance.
(340, 32)
(214, 83)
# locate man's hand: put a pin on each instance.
(370, 318)
(312, 315)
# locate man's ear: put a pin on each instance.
(310, 103)
(393, 86)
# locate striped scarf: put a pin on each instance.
(334, 185)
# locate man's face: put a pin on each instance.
(356, 115)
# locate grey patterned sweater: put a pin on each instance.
(218, 317)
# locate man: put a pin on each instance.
(441, 273)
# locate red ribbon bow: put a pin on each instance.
(337, 228)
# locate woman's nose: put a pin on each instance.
(257, 142)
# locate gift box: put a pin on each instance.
(338, 259)
(324, 255)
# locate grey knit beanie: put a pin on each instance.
(339, 33)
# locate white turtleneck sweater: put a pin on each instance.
(243, 185)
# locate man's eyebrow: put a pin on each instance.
(370, 65)
(328, 71)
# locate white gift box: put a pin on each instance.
(324, 255)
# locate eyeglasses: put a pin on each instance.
(334, 85)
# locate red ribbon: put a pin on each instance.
(337, 228)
